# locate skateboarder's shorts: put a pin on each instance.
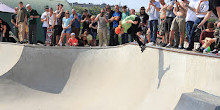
(57, 30)
(67, 30)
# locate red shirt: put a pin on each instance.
(73, 41)
(205, 34)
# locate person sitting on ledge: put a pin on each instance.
(207, 38)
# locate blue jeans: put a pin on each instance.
(45, 33)
(191, 34)
(189, 26)
(94, 34)
(67, 30)
(153, 30)
(124, 38)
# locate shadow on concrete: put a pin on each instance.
(161, 70)
(44, 69)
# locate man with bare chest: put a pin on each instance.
(178, 24)
(162, 22)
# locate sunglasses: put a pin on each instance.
(142, 9)
(107, 8)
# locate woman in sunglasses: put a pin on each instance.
(67, 22)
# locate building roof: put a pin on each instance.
(5, 8)
(38, 4)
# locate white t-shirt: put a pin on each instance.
(44, 16)
(153, 13)
(51, 20)
(191, 15)
(204, 7)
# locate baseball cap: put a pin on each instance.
(46, 6)
(28, 5)
(72, 34)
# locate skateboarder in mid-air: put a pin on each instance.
(126, 24)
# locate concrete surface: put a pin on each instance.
(198, 100)
(119, 78)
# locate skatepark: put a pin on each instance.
(116, 78)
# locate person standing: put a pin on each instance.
(93, 30)
(85, 20)
(125, 13)
(44, 21)
(109, 14)
(214, 7)
(115, 19)
(178, 24)
(102, 27)
(154, 13)
(190, 18)
(13, 21)
(169, 19)
(201, 11)
(162, 23)
(66, 25)
(75, 23)
(51, 22)
(21, 21)
(58, 28)
(32, 20)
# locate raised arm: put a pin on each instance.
(208, 15)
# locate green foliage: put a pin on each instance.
(213, 20)
(94, 10)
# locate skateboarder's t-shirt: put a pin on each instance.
(73, 41)
(125, 25)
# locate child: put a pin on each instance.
(93, 30)
(73, 40)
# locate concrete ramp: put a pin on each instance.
(198, 100)
(9, 56)
(119, 78)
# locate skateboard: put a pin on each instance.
(49, 37)
(13, 36)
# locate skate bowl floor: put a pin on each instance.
(116, 78)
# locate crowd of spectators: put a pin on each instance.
(174, 22)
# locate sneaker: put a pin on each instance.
(164, 45)
(175, 46)
(168, 45)
(200, 50)
(189, 49)
(151, 44)
(143, 48)
(180, 47)
(21, 42)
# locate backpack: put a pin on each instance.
(217, 36)
(197, 32)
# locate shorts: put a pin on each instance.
(178, 24)
(69, 30)
(168, 23)
(57, 30)
(162, 27)
(94, 35)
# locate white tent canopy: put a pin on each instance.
(5, 8)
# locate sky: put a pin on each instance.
(136, 4)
